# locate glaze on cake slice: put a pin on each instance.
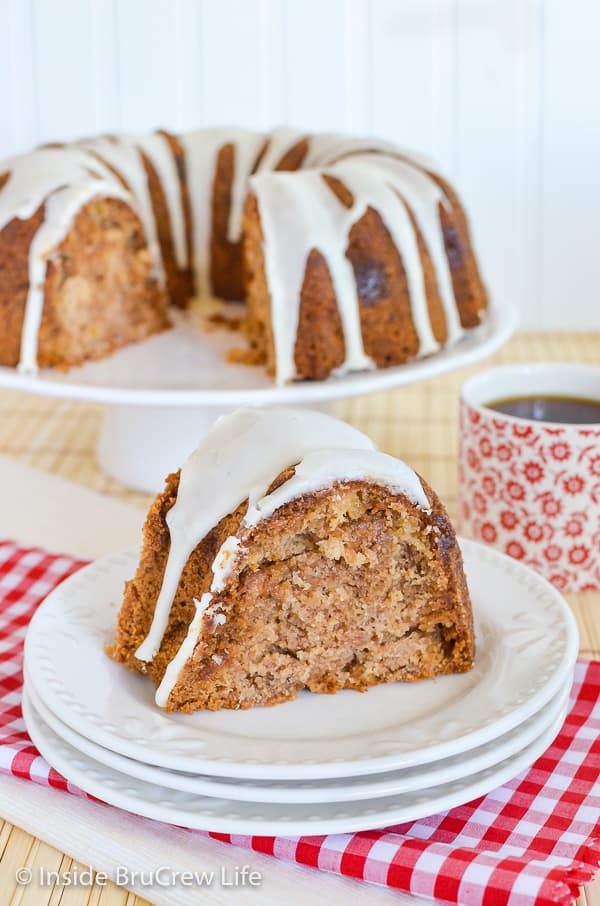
(287, 554)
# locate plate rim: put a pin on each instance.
(323, 769)
(365, 819)
(218, 786)
(497, 328)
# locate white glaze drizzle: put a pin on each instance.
(280, 142)
(201, 150)
(379, 195)
(327, 148)
(282, 224)
(61, 205)
(424, 197)
(33, 177)
(246, 148)
(65, 179)
(184, 652)
(223, 563)
(271, 441)
(321, 468)
(298, 213)
(157, 149)
(372, 191)
(324, 452)
(121, 153)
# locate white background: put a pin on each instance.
(504, 94)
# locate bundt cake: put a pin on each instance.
(287, 554)
(349, 253)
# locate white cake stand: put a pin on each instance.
(162, 395)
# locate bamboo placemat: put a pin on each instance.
(417, 423)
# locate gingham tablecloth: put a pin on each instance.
(535, 840)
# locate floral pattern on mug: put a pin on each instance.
(527, 489)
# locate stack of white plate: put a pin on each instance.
(322, 763)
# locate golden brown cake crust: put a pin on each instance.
(185, 278)
(15, 240)
(225, 256)
(179, 282)
(237, 271)
(99, 294)
(226, 259)
(342, 588)
(388, 331)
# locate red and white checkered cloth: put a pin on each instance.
(532, 842)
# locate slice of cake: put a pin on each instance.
(287, 554)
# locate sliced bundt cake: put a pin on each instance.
(289, 554)
(350, 253)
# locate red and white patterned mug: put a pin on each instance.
(532, 488)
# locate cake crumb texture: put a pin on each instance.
(343, 588)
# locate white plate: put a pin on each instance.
(197, 373)
(348, 789)
(226, 816)
(526, 649)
